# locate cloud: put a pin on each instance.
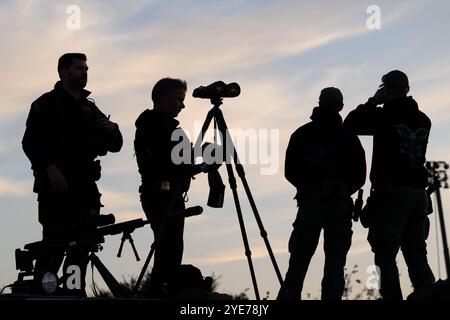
(237, 254)
(279, 248)
(122, 216)
(281, 53)
(119, 200)
(127, 58)
(13, 188)
(121, 163)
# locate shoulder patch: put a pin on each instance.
(413, 143)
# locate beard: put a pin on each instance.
(79, 83)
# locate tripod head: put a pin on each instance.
(437, 173)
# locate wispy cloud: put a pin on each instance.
(119, 200)
(13, 188)
(233, 42)
(237, 254)
(281, 52)
(122, 216)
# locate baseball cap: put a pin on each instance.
(395, 79)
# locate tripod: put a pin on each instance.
(437, 172)
(126, 228)
(231, 155)
(36, 250)
(114, 286)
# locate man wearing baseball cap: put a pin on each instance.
(397, 208)
(395, 79)
(326, 164)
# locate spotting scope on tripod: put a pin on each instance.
(215, 92)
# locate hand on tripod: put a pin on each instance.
(204, 168)
(212, 154)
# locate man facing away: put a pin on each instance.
(397, 209)
(326, 163)
(65, 132)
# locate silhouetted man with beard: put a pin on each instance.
(64, 134)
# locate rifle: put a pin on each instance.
(128, 227)
(91, 237)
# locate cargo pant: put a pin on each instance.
(399, 221)
(169, 236)
(334, 217)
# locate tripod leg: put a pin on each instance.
(144, 268)
(122, 241)
(133, 247)
(172, 204)
(217, 114)
(248, 253)
(241, 173)
(149, 257)
(263, 232)
(116, 288)
(205, 126)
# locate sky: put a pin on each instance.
(282, 53)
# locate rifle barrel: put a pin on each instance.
(127, 226)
